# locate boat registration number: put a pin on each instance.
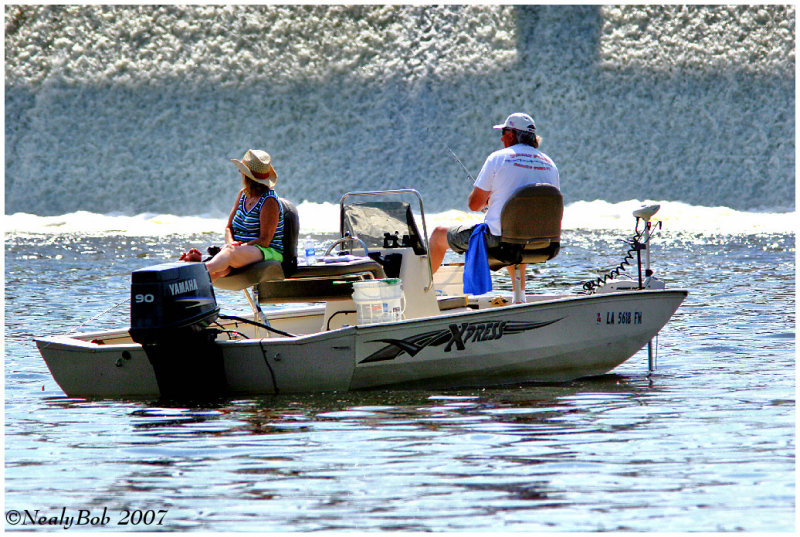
(619, 317)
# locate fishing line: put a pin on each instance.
(99, 315)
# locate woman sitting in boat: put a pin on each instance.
(255, 226)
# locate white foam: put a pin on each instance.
(677, 216)
(88, 223)
(323, 218)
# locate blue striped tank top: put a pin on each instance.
(246, 225)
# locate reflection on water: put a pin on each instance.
(704, 444)
(575, 455)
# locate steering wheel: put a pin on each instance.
(344, 239)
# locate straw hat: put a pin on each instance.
(257, 165)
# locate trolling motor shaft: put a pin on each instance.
(645, 213)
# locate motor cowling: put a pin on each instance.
(170, 298)
(172, 306)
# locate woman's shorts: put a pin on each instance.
(458, 238)
(270, 254)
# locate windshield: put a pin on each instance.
(382, 224)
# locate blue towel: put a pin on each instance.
(477, 279)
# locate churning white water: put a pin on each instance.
(324, 218)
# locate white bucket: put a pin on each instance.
(379, 301)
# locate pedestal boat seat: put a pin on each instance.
(530, 227)
(286, 281)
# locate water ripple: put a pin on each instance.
(706, 443)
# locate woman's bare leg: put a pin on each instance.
(231, 257)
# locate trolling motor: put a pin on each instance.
(610, 282)
(172, 306)
(639, 242)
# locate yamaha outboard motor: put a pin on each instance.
(172, 306)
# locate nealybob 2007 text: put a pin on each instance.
(66, 518)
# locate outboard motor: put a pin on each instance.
(172, 305)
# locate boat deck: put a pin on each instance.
(313, 318)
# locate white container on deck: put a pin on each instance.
(379, 301)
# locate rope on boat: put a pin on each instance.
(230, 333)
(254, 323)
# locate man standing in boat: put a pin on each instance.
(520, 163)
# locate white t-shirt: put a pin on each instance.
(508, 169)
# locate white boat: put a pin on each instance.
(179, 345)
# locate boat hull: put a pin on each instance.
(550, 340)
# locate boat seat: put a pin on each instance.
(285, 281)
(248, 276)
(272, 271)
(317, 283)
(530, 227)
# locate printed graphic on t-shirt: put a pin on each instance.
(530, 161)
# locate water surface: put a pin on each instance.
(706, 443)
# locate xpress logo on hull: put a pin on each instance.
(455, 337)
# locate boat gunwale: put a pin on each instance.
(83, 340)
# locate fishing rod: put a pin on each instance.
(469, 175)
(459, 161)
(453, 154)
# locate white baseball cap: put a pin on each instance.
(519, 122)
